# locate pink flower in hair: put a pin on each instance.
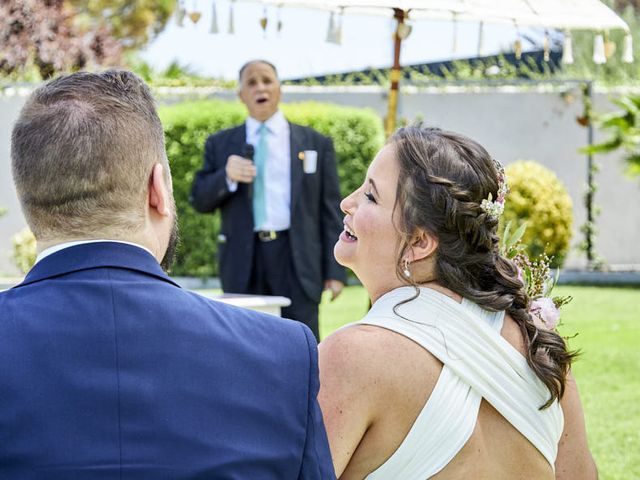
(545, 311)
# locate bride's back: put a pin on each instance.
(496, 450)
(406, 375)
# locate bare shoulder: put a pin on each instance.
(353, 351)
(373, 383)
(375, 358)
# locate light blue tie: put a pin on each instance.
(259, 197)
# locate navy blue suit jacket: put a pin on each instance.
(316, 221)
(109, 370)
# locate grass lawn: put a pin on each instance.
(607, 324)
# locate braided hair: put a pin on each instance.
(444, 177)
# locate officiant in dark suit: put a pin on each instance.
(280, 208)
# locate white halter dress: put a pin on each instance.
(478, 363)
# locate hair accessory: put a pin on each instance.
(494, 208)
(406, 270)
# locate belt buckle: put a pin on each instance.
(267, 236)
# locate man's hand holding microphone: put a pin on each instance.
(241, 169)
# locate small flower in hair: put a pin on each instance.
(494, 208)
(537, 278)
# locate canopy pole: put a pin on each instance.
(392, 112)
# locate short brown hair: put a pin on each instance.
(82, 152)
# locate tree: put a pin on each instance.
(132, 22)
(43, 34)
(621, 5)
(624, 127)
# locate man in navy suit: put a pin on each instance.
(280, 210)
(108, 369)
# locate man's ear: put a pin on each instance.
(423, 245)
(158, 191)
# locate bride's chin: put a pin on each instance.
(339, 255)
(341, 261)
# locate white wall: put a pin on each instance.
(535, 123)
(13, 220)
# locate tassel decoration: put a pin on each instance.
(214, 20)
(334, 32)
(404, 30)
(454, 43)
(180, 14)
(195, 14)
(339, 27)
(517, 48)
(546, 46)
(279, 22)
(567, 48)
(263, 22)
(331, 30)
(232, 27)
(627, 51)
(599, 57)
(517, 44)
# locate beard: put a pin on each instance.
(174, 240)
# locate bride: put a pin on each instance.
(447, 376)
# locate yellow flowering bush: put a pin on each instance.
(24, 249)
(539, 199)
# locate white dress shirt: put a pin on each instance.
(61, 246)
(277, 181)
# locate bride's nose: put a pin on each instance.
(347, 204)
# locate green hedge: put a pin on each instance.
(357, 136)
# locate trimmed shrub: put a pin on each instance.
(538, 198)
(357, 136)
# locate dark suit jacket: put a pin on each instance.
(109, 370)
(316, 222)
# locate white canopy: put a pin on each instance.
(555, 14)
(559, 14)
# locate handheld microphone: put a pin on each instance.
(247, 152)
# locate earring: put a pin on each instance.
(406, 271)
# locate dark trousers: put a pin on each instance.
(273, 273)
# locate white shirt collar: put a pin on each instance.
(61, 246)
(276, 123)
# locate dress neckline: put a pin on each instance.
(428, 290)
